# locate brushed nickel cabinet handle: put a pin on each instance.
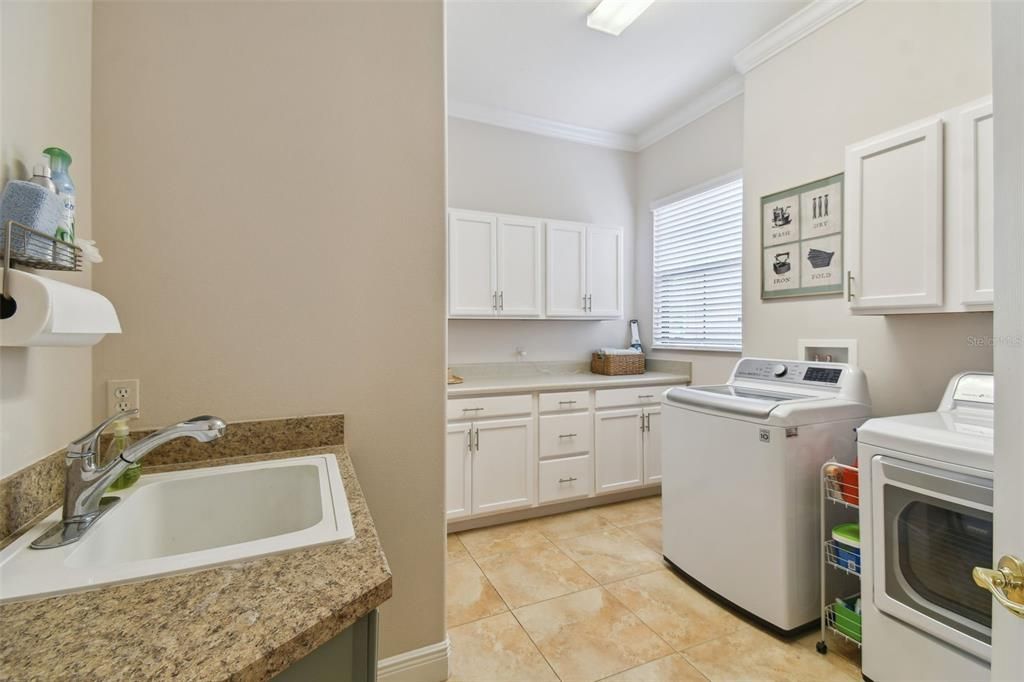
(566, 402)
(849, 286)
(567, 435)
(645, 396)
(501, 300)
(472, 409)
(569, 479)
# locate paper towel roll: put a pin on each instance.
(52, 313)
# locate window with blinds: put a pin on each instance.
(698, 269)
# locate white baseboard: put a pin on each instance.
(426, 664)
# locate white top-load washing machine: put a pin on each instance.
(925, 522)
(740, 488)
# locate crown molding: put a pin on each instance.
(704, 103)
(541, 126)
(800, 25)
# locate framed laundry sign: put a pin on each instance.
(802, 240)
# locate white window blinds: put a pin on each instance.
(698, 269)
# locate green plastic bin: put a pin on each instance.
(846, 619)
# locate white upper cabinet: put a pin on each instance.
(494, 265)
(519, 267)
(584, 270)
(919, 216)
(472, 264)
(520, 275)
(894, 219)
(975, 172)
(567, 270)
(604, 271)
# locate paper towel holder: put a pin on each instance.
(24, 246)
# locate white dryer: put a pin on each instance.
(925, 522)
(740, 467)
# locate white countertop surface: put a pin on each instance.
(560, 381)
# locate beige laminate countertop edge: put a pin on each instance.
(560, 382)
(243, 621)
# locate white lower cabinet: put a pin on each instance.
(565, 434)
(627, 448)
(504, 462)
(618, 449)
(567, 478)
(458, 472)
(652, 445)
(567, 451)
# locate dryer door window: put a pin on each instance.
(933, 527)
(931, 545)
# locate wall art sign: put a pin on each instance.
(802, 240)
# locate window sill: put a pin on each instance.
(691, 349)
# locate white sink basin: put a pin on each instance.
(187, 520)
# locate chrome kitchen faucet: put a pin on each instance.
(85, 481)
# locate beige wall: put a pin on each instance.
(879, 66)
(508, 171)
(269, 185)
(708, 148)
(45, 83)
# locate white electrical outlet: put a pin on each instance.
(122, 395)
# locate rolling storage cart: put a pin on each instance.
(840, 554)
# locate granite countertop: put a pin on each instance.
(560, 381)
(244, 621)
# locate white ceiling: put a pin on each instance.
(538, 58)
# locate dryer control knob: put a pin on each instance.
(780, 370)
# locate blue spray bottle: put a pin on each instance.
(60, 160)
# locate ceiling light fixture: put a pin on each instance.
(615, 16)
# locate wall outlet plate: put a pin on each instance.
(122, 395)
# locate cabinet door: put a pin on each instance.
(457, 471)
(504, 464)
(977, 197)
(604, 271)
(618, 449)
(472, 264)
(519, 267)
(566, 269)
(652, 445)
(894, 219)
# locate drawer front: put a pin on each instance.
(564, 402)
(497, 406)
(622, 397)
(561, 479)
(565, 434)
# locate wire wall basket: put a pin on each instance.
(21, 245)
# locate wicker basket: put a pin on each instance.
(614, 365)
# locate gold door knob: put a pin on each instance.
(1006, 583)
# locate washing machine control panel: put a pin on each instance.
(805, 373)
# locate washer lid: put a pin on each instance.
(751, 402)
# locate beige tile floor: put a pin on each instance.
(585, 596)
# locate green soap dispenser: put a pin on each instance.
(119, 444)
